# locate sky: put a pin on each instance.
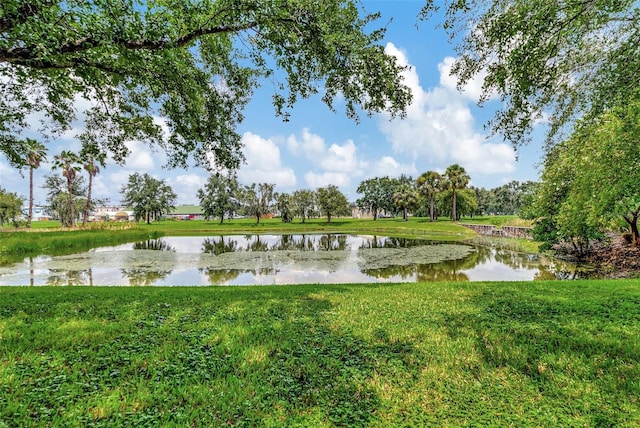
(317, 147)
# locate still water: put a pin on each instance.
(278, 259)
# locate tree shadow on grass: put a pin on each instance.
(579, 350)
(198, 357)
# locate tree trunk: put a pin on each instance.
(454, 213)
(432, 209)
(405, 214)
(633, 224)
(86, 207)
(328, 217)
(30, 198)
(72, 211)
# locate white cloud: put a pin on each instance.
(342, 158)
(388, 166)
(315, 180)
(309, 145)
(140, 159)
(439, 127)
(263, 163)
(472, 90)
(186, 187)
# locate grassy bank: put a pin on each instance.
(440, 230)
(441, 354)
(16, 245)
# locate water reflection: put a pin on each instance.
(278, 259)
(219, 246)
(154, 245)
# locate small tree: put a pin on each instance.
(303, 202)
(332, 202)
(456, 179)
(69, 163)
(10, 207)
(405, 199)
(218, 197)
(91, 158)
(257, 199)
(284, 205)
(148, 197)
(429, 184)
(35, 153)
(376, 194)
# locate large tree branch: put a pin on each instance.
(27, 56)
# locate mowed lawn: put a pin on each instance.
(427, 354)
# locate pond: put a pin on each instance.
(278, 259)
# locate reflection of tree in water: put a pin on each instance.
(144, 277)
(153, 244)
(256, 243)
(219, 246)
(295, 243)
(220, 276)
(392, 242)
(444, 271)
(332, 242)
(447, 270)
(68, 277)
(403, 271)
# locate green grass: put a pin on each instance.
(498, 220)
(16, 245)
(429, 354)
(441, 230)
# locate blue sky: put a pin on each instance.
(317, 147)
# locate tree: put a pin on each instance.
(332, 202)
(257, 199)
(405, 199)
(284, 205)
(148, 197)
(376, 194)
(58, 197)
(303, 202)
(195, 63)
(429, 184)
(555, 60)
(218, 198)
(35, 153)
(89, 158)
(591, 182)
(68, 162)
(456, 178)
(10, 207)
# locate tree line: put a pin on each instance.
(434, 195)
(223, 197)
(431, 195)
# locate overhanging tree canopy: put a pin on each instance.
(546, 59)
(193, 63)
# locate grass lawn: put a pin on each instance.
(429, 354)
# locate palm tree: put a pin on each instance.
(35, 153)
(68, 162)
(457, 178)
(405, 198)
(429, 184)
(92, 169)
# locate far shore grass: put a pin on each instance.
(443, 354)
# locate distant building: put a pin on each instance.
(40, 213)
(186, 212)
